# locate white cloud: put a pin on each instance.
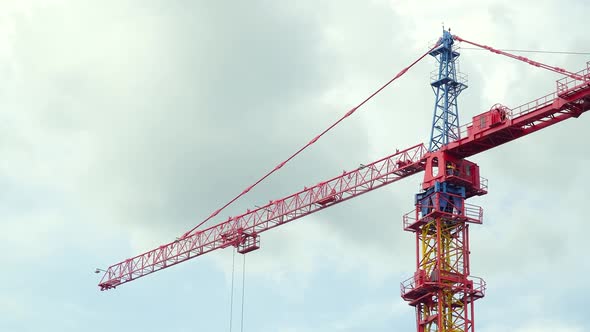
(542, 326)
(133, 122)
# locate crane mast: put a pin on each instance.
(441, 289)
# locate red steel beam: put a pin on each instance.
(526, 119)
(237, 230)
(571, 99)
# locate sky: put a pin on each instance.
(125, 123)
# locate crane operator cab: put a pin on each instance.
(443, 167)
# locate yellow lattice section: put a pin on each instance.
(428, 247)
(442, 250)
(452, 312)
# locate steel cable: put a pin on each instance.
(315, 139)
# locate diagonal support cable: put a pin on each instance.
(525, 59)
(315, 139)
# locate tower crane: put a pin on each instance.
(442, 289)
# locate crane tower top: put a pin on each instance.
(447, 85)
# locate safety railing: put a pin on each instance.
(474, 213)
(483, 183)
(463, 130)
(459, 77)
(533, 105)
(408, 285)
(478, 285)
(465, 211)
(516, 112)
(564, 85)
(567, 83)
(409, 219)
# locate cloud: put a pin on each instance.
(539, 327)
(130, 122)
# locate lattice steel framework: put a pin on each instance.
(447, 85)
(445, 308)
(442, 290)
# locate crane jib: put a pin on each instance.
(242, 231)
(487, 130)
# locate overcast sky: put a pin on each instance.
(125, 123)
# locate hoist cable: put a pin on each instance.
(243, 292)
(231, 300)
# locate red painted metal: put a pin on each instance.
(442, 166)
(442, 289)
(572, 99)
(243, 231)
(500, 125)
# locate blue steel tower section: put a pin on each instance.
(446, 86)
